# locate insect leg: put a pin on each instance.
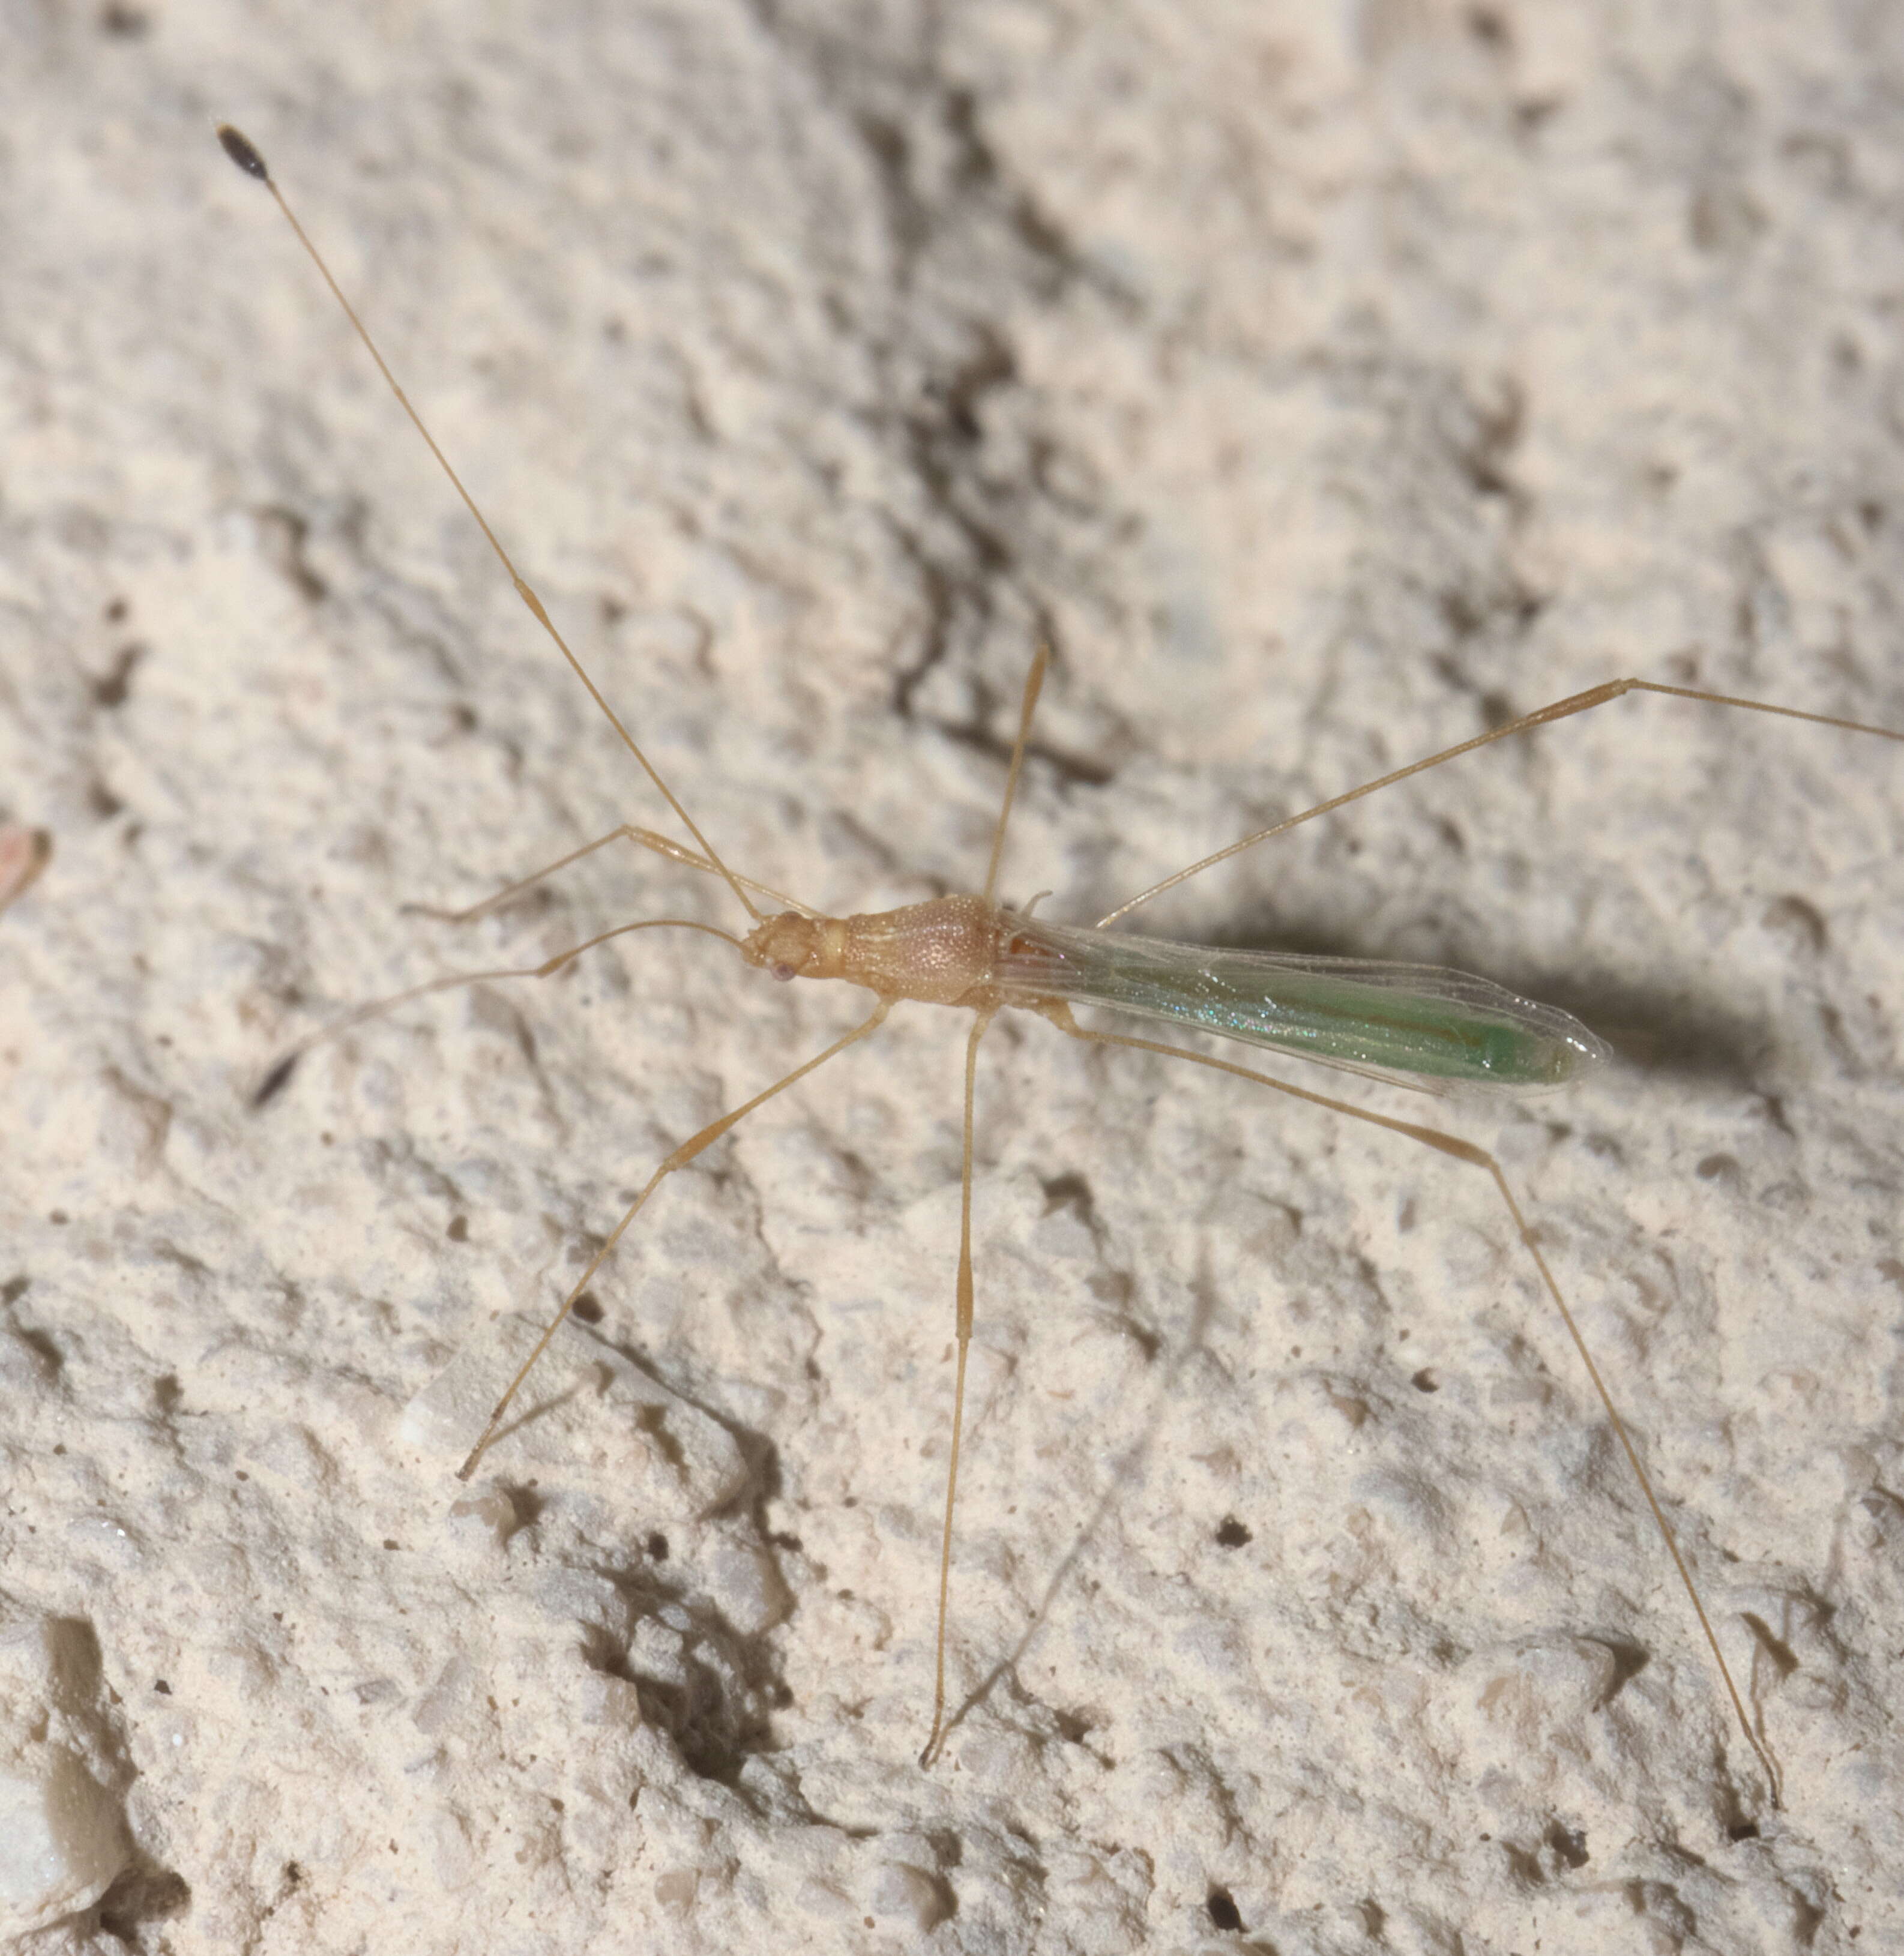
(962, 1331)
(510, 890)
(280, 1070)
(1542, 716)
(675, 852)
(680, 1158)
(1467, 1151)
(1033, 685)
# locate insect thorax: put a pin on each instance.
(940, 953)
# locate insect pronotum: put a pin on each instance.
(1410, 1025)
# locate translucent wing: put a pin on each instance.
(1419, 1025)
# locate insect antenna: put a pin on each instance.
(245, 155)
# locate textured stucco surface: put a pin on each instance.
(1327, 379)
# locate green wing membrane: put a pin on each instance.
(1420, 1025)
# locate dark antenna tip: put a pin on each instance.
(274, 1082)
(238, 146)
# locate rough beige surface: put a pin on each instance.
(1328, 379)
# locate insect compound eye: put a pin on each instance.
(783, 972)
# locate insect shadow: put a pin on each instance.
(1679, 1031)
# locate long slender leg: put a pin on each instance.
(1465, 1151)
(1027, 706)
(963, 1333)
(680, 1158)
(510, 890)
(1033, 685)
(674, 851)
(281, 1067)
(1561, 709)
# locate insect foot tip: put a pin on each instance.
(239, 147)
